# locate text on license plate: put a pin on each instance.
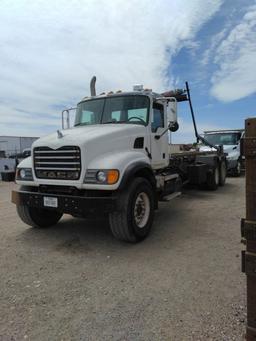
(50, 202)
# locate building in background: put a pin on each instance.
(14, 145)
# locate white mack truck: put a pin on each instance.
(115, 161)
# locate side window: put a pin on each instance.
(242, 136)
(238, 137)
(158, 117)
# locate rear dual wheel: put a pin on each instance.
(213, 176)
(216, 176)
(223, 173)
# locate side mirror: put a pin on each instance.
(172, 110)
(174, 126)
(172, 114)
(65, 119)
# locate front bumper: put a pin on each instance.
(232, 164)
(75, 205)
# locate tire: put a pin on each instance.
(237, 170)
(129, 224)
(222, 173)
(213, 179)
(38, 217)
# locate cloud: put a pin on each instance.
(235, 57)
(214, 43)
(50, 50)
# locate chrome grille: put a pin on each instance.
(61, 164)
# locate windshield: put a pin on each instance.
(119, 109)
(223, 138)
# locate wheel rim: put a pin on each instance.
(141, 209)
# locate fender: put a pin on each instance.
(26, 163)
(138, 167)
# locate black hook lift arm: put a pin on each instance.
(198, 137)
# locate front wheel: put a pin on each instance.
(237, 170)
(38, 217)
(133, 221)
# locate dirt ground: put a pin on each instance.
(76, 282)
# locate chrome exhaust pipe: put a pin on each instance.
(92, 86)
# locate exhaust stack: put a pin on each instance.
(92, 86)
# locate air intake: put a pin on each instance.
(61, 164)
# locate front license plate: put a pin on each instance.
(50, 202)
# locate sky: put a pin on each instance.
(51, 49)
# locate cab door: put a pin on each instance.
(159, 147)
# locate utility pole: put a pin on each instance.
(248, 226)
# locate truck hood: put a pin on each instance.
(105, 146)
(84, 134)
(227, 148)
(206, 149)
(109, 146)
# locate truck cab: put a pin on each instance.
(110, 132)
(113, 161)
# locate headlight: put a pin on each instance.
(101, 176)
(24, 174)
